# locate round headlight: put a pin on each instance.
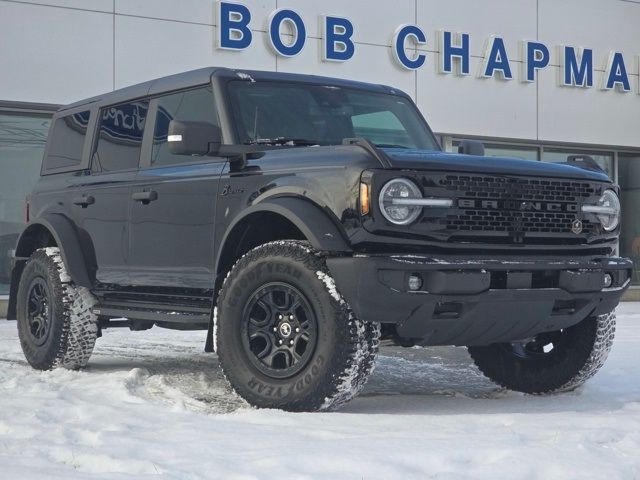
(611, 218)
(394, 211)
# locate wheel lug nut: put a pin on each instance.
(297, 330)
(290, 342)
(279, 342)
(275, 329)
(279, 317)
(290, 317)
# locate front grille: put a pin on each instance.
(520, 188)
(517, 204)
(495, 221)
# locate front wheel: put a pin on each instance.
(550, 362)
(285, 337)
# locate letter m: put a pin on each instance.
(576, 67)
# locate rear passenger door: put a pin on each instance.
(172, 214)
(104, 215)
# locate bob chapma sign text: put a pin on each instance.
(338, 45)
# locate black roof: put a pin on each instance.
(203, 76)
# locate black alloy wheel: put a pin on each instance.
(279, 330)
(285, 337)
(38, 311)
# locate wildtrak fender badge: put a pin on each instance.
(229, 190)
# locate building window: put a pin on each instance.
(22, 141)
(503, 150)
(629, 179)
(512, 151)
(603, 159)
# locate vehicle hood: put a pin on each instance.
(440, 161)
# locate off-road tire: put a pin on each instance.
(579, 358)
(73, 328)
(346, 346)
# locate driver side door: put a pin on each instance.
(173, 200)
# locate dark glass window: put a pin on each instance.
(382, 128)
(22, 140)
(194, 106)
(272, 112)
(67, 141)
(120, 137)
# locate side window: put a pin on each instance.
(193, 105)
(120, 137)
(382, 128)
(67, 141)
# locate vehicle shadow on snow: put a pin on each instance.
(430, 381)
(444, 381)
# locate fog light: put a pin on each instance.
(608, 280)
(415, 282)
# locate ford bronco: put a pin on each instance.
(299, 220)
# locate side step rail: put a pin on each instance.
(174, 316)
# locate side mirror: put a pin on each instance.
(584, 161)
(471, 147)
(193, 138)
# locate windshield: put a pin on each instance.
(277, 113)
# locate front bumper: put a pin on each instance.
(466, 301)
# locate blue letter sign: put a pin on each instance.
(575, 75)
(399, 40)
(286, 34)
(535, 56)
(495, 59)
(233, 26)
(299, 32)
(337, 45)
(615, 75)
(448, 52)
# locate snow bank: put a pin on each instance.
(153, 405)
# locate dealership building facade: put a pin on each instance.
(534, 79)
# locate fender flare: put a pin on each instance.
(66, 237)
(316, 224)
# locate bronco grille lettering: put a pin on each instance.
(523, 206)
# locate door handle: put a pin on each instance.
(145, 197)
(84, 201)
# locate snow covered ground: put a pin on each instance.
(152, 405)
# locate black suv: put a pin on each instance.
(301, 219)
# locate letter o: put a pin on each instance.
(300, 33)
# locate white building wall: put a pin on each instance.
(58, 51)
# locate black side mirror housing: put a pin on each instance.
(584, 161)
(193, 138)
(471, 147)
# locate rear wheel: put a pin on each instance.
(284, 335)
(55, 323)
(550, 362)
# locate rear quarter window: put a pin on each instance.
(67, 141)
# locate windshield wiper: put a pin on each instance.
(297, 142)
